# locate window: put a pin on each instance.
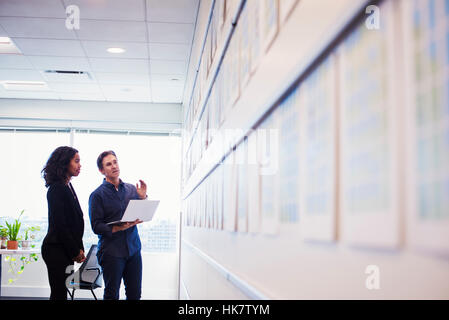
(151, 158)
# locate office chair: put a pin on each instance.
(88, 276)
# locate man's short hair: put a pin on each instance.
(101, 157)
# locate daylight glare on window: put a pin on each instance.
(151, 158)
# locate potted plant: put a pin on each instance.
(13, 232)
(28, 236)
(3, 237)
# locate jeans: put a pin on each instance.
(115, 269)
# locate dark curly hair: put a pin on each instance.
(56, 168)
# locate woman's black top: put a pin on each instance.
(65, 220)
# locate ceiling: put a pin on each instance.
(157, 37)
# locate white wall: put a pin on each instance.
(284, 267)
(218, 264)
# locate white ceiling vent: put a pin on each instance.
(67, 76)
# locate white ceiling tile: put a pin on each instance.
(164, 80)
(170, 83)
(111, 89)
(97, 49)
(34, 8)
(49, 47)
(132, 31)
(166, 94)
(170, 32)
(60, 63)
(168, 77)
(169, 51)
(14, 61)
(167, 67)
(126, 92)
(181, 11)
(20, 75)
(128, 98)
(28, 95)
(119, 65)
(3, 32)
(36, 28)
(132, 10)
(123, 78)
(74, 87)
(81, 96)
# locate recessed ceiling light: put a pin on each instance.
(115, 50)
(25, 85)
(5, 40)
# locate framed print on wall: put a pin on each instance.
(268, 155)
(318, 141)
(289, 155)
(369, 136)
(269, 22)
(425, 25)
(253, 185)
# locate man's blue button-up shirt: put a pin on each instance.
(106, 204)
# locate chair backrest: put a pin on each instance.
(90, 270)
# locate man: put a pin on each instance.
(119, 245)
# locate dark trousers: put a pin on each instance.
(57, 263)
(115, 269)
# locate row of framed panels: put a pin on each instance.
(257, 27)
(357, 152)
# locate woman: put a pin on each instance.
(63, 243)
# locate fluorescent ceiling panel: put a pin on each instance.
(12, 85)
(7, 46)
